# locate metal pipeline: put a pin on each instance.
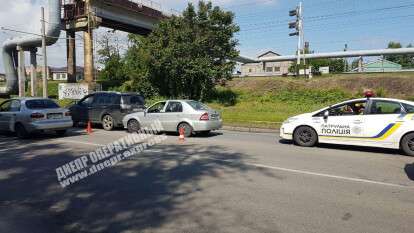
(9, 48)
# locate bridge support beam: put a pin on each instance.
(88, 57)
(71, 56)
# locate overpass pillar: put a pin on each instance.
(71, 56)
(88, 57)
(21, 72)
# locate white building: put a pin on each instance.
(266, 68)
(61, 74)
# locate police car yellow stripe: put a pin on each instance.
(389, 132)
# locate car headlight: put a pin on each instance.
(290, 120)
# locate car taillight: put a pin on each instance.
(204, 117)
(37, 115)
(68, 114)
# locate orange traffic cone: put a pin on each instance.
(182, 137)
(89, 128)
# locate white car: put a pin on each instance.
(189, 115)
(374, 122)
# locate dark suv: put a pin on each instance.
(106, 108)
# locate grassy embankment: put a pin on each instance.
(266, 102)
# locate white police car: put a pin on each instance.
(375, 122)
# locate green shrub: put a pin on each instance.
(223, 96)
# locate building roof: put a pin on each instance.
(381, 61)
(268, 53)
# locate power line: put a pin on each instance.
(359, 23)
(35, 34)
(333, 15)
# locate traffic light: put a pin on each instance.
(293, 25)
(296, 24)
(293, 12)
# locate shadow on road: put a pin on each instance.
(409, 170)
(139, 194)
(350, 148)
(38, 136)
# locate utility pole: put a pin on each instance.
(44, 73)
(345, 60)
(298, 26)
(302, 38)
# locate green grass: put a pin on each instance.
(271, 109)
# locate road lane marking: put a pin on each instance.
(317, 174)
(260, 166)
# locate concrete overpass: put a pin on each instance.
(134, 16)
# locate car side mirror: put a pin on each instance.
(326, 115)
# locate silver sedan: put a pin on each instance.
(27, 115)
(190, 115)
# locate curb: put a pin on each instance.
(250, 130)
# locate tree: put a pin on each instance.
(188, 55)
(136, 62)
(112, 75)
(407, 61)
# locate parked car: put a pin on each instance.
(190, 115)
(375, 122)
(26, 115)
(106, 108)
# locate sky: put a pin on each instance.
(329, 24)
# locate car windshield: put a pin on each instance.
(133, 100)
(409, 108)
(197, 105)
(41, 104)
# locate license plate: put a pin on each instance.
(54, 116)
(214, 116)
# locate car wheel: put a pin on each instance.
(21, 132)
(108, 122)
(61, 133)
(133, 126)
(305, 136)
(188, 130)
(407, 144)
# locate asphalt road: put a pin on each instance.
(226, 182)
